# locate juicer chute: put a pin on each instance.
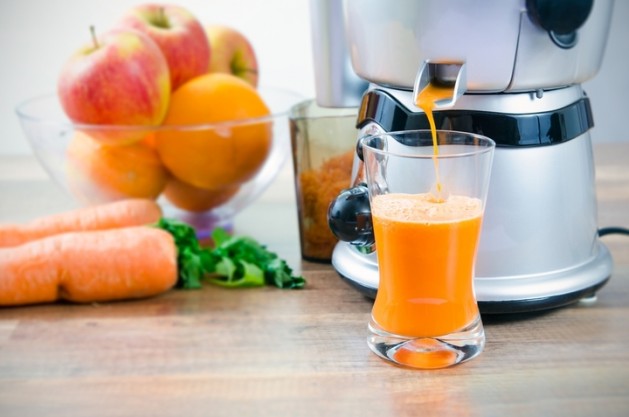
(446, 74)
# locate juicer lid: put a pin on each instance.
(507, 45)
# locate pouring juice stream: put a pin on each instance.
(426, 101)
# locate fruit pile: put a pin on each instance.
(144, 88)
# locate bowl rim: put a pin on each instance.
(23, 114)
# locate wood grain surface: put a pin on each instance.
(272, 352)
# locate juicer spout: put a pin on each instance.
(448, 75)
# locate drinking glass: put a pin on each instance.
(427, 200)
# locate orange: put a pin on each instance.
(191, 198)
(99, 173)
(223, 155)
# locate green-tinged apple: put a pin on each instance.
(178, 34)
(232, 53)
(120, 78)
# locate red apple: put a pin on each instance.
(232, 53)
(120, 79)
(178, 34)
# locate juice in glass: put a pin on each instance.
(426, 250)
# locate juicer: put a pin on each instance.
(517, 67)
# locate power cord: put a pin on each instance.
(613, 230)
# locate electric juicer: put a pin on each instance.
(517, 67)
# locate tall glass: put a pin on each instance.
(427, 205)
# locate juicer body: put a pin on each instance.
(539, 245)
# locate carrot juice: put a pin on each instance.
(426, 250)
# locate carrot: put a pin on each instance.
(90, 266)
(130, 212)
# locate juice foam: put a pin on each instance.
(424, 208)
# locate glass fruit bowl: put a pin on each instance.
(221, 167)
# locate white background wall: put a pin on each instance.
(37, 36)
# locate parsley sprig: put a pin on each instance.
(233, 261)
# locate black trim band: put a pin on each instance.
(535, 129)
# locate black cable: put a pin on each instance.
(612, 230)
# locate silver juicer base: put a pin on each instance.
(496, 295)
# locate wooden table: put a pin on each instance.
(271, 352)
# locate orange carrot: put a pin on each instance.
(91, 266)
(124, 213)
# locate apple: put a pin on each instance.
(232, 53)
(178, 34)
(119, 79)
(97, 173)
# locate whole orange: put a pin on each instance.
(99, 173)
(191, 198)
(226, 152)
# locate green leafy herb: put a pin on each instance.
(192, 259)
(243, 262)
(234, 261)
